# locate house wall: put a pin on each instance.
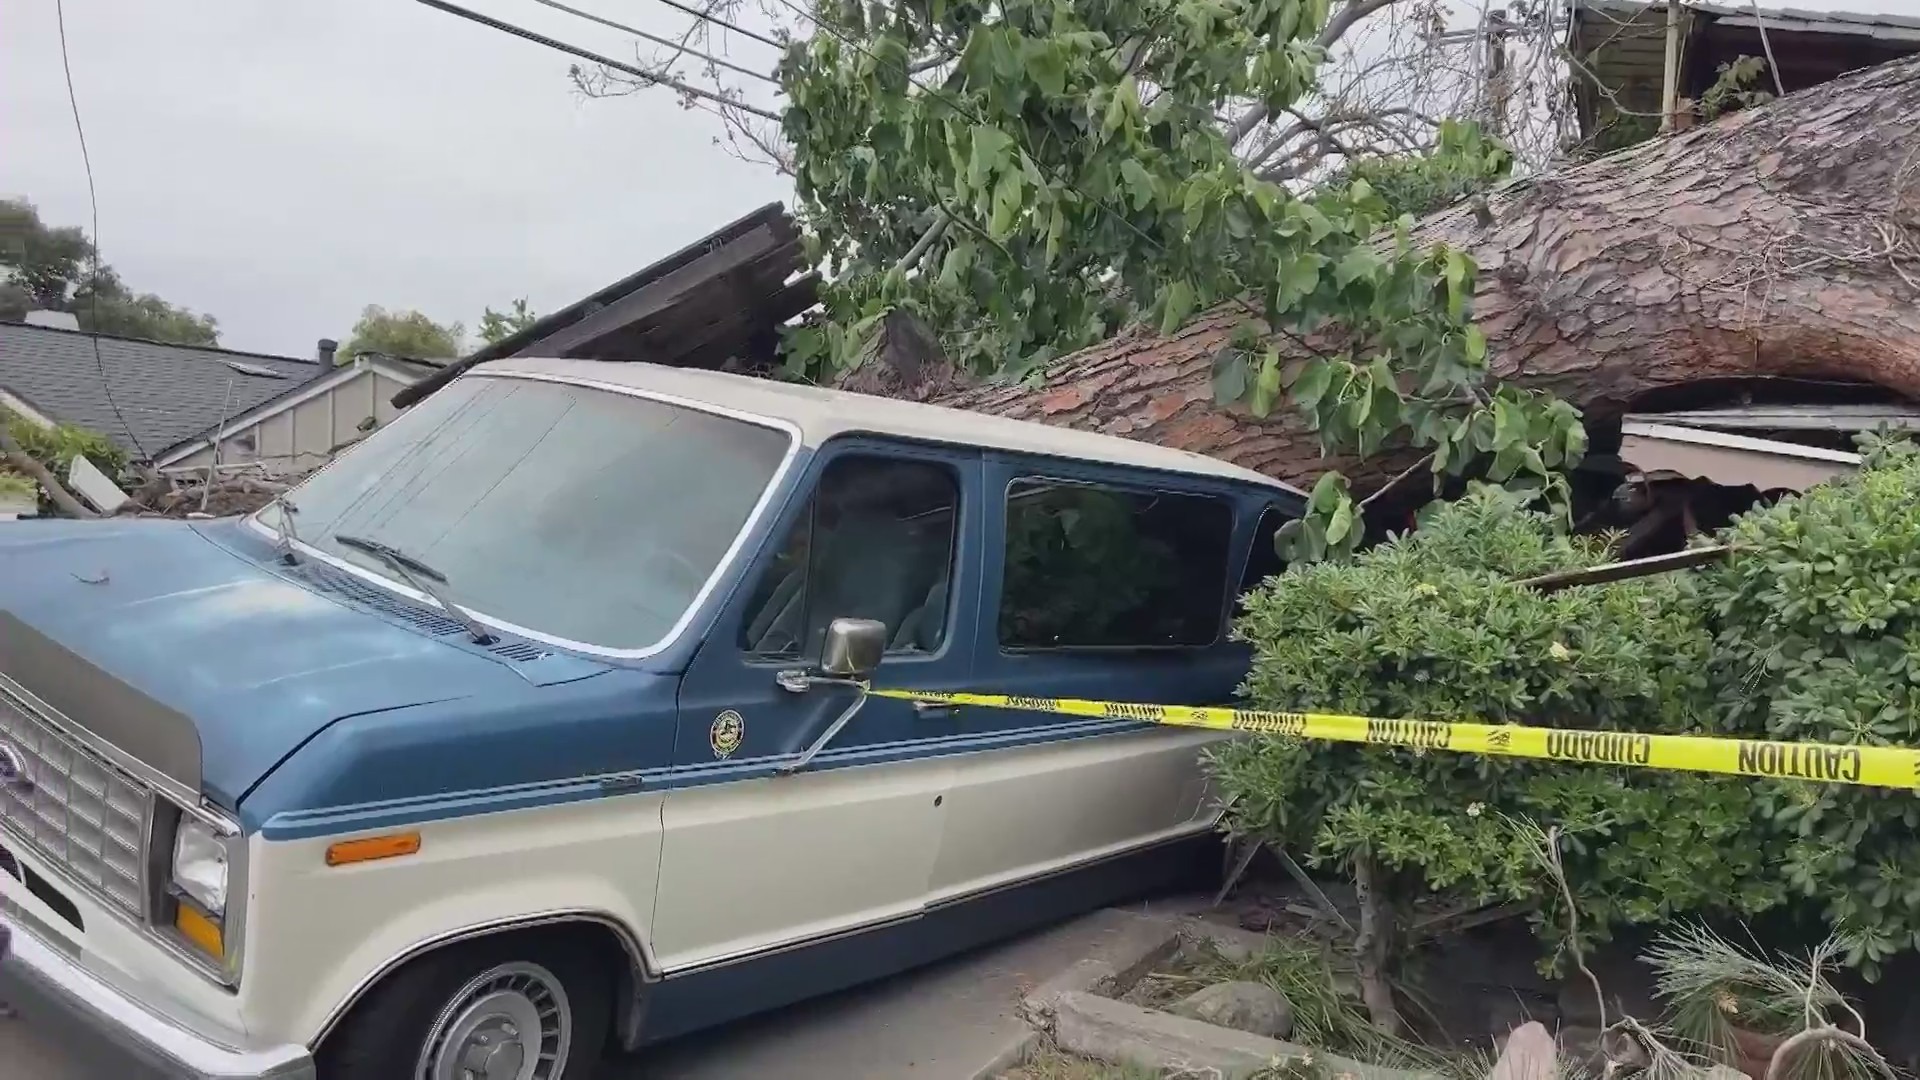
(304, 437)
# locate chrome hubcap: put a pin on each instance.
(509, 1023)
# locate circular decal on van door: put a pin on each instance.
(727, 731)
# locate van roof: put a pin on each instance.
(821, 414)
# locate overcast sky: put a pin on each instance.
(282, 164)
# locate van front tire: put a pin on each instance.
(487, 1008)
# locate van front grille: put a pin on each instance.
(84, 814)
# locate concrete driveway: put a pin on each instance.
(954, 1021)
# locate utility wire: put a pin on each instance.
(707, 16)
(574, 50)
(657, 40)
(93, 200)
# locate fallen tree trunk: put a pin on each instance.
(1781, 241)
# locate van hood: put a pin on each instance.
(204, 664)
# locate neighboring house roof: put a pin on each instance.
(821, 414)
(405, 372)
(1876, 25)
(166, 393)
(723, 296)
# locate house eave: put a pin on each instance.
(267, 410)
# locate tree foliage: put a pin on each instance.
(1818, 639)
(1419, 184)
(44, 265)
(55, 448)
(498, 326)
(403, 334)
(1434, 625)
(1029, 175)
(52, 269)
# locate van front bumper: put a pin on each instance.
(40, 977)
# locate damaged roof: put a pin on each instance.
(1793, 417)
(720, 299)
(1709, 444)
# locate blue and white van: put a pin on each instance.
(533, 725)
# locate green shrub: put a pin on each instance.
(1433, 625)
(55, 447)
(1818, 639)
(13, 487)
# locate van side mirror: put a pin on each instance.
(850, 653)
(853, 648)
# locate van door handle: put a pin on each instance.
(932, 709)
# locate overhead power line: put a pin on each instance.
(574, 50)
(707, 16)
(93, 201)
(658, 40)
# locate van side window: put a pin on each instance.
(874, 542)
(1090, 566)
(1263, 561)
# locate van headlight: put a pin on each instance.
(200, 865)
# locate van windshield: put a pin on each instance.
(583, 515)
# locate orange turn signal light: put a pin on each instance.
(369, 848)
(200, 930)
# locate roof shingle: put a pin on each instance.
(167, 393)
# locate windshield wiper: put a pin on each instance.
(420, 576)
(288, 537)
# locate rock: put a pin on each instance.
(1530, 1055)
(1243, 1006)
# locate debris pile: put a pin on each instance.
(178, 498)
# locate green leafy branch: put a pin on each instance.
(1027, 176)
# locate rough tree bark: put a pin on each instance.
(1781, 241)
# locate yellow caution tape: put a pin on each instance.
(1866, 766)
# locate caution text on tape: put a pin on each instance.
(1866, 766)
